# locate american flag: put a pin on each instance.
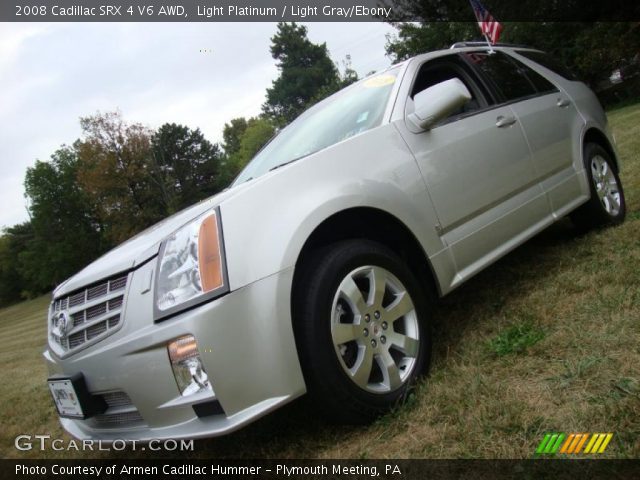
(488, 25)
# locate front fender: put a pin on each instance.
(266, 226)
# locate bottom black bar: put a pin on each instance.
(326, 469)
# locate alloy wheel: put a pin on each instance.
(375, 329)
(606, 185)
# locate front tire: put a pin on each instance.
(607, 204)
(362, 330)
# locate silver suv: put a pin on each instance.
(315, 271)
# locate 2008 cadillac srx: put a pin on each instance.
(315, 270)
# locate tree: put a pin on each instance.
(344, 79)
(305, 70)
(186, 166)
(348, 75)
(414, 39)
(591, 49)
(116, 180)
(232, 134)
(257, 133)
(115, 172)
(13, 242)
(65, 230)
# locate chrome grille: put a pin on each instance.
(117, 283)
(93, 313)
(76, 339)
(97, 291)
(95, 330)
(77, 299)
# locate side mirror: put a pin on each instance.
(438, 102)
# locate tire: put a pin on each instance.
(358, 361)
(607, 204)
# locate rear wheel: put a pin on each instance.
(607, 204)
(362, 330)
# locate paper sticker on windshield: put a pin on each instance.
(363, 117)
(379, 81)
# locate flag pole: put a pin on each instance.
(487, 23)
(491, 50)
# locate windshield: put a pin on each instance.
(349, 112)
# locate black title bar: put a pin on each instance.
(312, 10)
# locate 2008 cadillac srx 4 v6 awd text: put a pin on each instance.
(315, 270)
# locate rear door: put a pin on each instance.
(546, 115)
(477, 168)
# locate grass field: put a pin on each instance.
(548, 339)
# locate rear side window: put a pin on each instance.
(512, 77)
(504, 74)
(549, 62)
(542, 84)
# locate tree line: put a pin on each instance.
(592, 51)
(120, 177)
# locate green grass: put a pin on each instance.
(515, 339)
(546, 340)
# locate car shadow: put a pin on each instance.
(534, 262)
(295, 431)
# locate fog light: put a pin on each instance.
(187, 366)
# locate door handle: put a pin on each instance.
(563, 102)
(503, 121)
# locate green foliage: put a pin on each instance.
(232, 134)
(591, 50)
(13, 241)
(63, 224)
(344, 79)
(305, 70)
(119, 178)
(185, 166)
(348, 75)
(257, 132)
(413, 39)
(112, 183)
(515, 339)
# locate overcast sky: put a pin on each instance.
(52, 74)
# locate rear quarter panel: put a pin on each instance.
(591, 115)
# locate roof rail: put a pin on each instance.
(485, 44)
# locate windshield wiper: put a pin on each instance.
(288, 162)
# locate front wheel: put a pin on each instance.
(607, 204)
(362, 328)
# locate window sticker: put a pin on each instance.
(363, 117)
(379, 81)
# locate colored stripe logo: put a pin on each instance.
(573, 443)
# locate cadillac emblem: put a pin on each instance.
(60, 325)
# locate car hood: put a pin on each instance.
(140, 248)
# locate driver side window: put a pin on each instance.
(437, 71)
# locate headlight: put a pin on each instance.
(191, 266)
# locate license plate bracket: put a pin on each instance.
(72, 397)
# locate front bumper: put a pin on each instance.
(246, 343)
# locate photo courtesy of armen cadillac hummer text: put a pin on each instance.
(315, 271)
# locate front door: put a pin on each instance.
(478, 171)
